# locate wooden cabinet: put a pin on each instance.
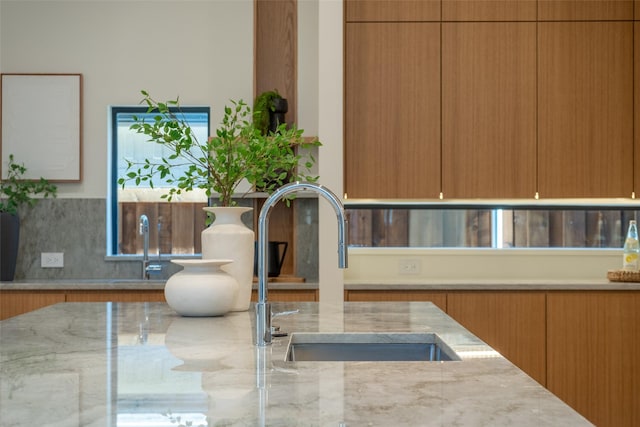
(585, 10)
(392, 10)
(593, 343)
(495, 99)
(513, 323)
(636, 109)
(585, 109)
(489, 10)
(489, 110)
(392, 108)
(13, 303)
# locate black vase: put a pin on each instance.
(9, 238)
(275, 258)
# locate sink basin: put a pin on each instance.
(365, 346)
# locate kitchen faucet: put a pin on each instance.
(263, 307)
(147, 268)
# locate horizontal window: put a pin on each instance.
(489, 228)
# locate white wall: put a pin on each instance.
(200, 50)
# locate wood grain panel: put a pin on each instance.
(392, 125)
(489, 10)
(282, 223)
(392, 10)
(585, 109)
(183, 233)
(276, 50)
(592, 346)
(488, 110)
(636, 86)
(360, 226)
(14, 303)
(585, 10)
(513, 323)
(438, 298)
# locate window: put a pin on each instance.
(476, 227)
(174, 227)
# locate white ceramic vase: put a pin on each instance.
(202, 288)
(227, 237)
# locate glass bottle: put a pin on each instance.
(631, 250)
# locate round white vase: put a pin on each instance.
(227, 237)
(202, 288)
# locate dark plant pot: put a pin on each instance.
(276, 114)
(275, 259)
(9, 238)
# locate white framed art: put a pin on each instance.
(41, 119)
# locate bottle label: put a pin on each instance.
(630, 261)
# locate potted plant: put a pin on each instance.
(269, 109)
(15, 192)
(238, 151)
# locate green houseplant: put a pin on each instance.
(268, 111)
(238, 151)
(15, 192)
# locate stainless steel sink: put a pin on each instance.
(366, 346)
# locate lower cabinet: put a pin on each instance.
(513, 323)
(13, 303)
(593, 354)
(584, 346)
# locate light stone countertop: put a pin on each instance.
(107, 364)
(434, 285)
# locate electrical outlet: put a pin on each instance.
(409, 266)
(52, 259)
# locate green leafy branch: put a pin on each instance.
(16, 191)
(237, 151)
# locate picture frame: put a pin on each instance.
(41, 118)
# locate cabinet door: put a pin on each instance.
(392, 108)
(585, 10)
(20, 302)
(585, 109)
(512, 323)
(593, 344)
(392, 10)
(488, 110)
(489, 10)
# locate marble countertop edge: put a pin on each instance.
(434, 285)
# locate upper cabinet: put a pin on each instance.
(636, 86)
(392, 10)
(585, 10)
(585, 109)
(495, 99)
(489, 10)
(488, 110)
(392, 109)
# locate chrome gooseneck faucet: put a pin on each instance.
(263, 307)
(146, 266)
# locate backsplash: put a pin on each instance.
(77, 228)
